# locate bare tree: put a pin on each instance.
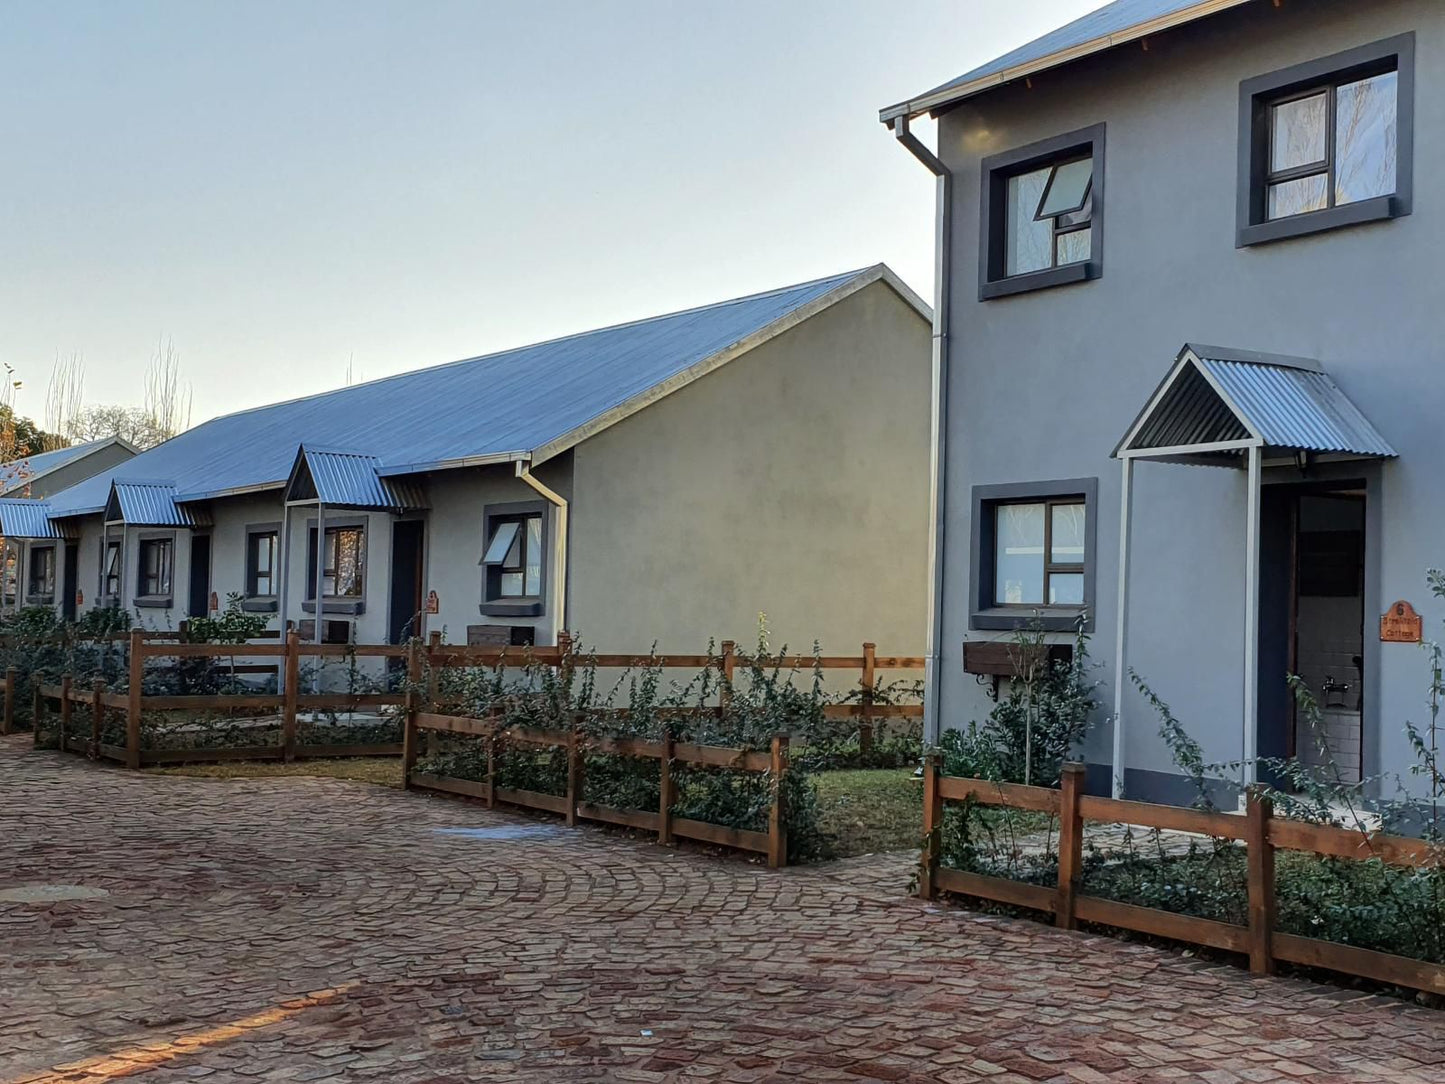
(168, 398)
(64, 400)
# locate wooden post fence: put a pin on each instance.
(37, 709)
(292, 693)
(932, 827)
(666, 795)
(97, 715)
(8, 724)
(865, 723)
(64, 710)
(729, 662)
(1259, 810)
(1071, 843)
(133, 704)
(777, 829)
(409, 731)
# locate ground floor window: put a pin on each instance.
(343, 566)
(261, 549)
(155, 566)
(40, 583)
(515, 552)
(12, 573)
(1033, 553)
(110, 570)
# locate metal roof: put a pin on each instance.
(1113, 24)
(531, 402)
(1216, 399)
(20, 518)
(19, 473)
(149, 504)
(349, 480)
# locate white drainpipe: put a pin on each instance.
(559, 548)
(943, 234)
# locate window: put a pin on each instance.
(514, 569)
(1033, 554)
(12, 573)
(515, 551)
(344, 562)
(1327, 144)
(1042, 215)
(261, 563)
(40, 582)
(110, 570)
(155, 567)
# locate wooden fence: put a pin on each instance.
(1257, 828)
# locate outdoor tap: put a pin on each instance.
(1332, 689)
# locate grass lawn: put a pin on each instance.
(385, 771)
(872, 811)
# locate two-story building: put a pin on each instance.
(661, 481)
(1187, 342)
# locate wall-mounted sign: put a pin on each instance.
(1402, 625)
(433, 604)
(215, 602)
(79, 598)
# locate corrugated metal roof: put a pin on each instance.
(502, 404)
(18, 472)
(150, 504)
(1215, 395)
(350, 480)
(1113, 24)
(1296, 408)
(20, 518)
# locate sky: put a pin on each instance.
(292, 193)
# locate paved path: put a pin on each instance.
(306, 929)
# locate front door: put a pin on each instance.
(406, 580)
(69, 580)
(1312, 620)
(199, 600)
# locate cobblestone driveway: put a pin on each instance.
(305, 929)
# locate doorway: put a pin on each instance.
(406, 580)
(199, 596)
(1312, 620)
(69, 580)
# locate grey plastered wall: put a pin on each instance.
(793, 480)
(1043, 384)
(371, 624)
(229, 519)
(455, 542)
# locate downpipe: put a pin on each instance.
(559, 546)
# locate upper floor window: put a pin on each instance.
(1328, 143)
(1042, 214)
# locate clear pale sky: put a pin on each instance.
(280, 187)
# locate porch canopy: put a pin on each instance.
(1234, 408)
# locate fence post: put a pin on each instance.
(493, 737)
(865, 725)
(1071, 843)
(37, 709)
(665, 796)
(408, 726)
(65, 684)
(7, 726)
(133, 705)
(290, 695)
(574, 775)
(932, 827)
(777, 830)
(1259, 809)
(97, 716)
(725, 690)
(433, 686)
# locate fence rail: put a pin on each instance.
(1257, 828)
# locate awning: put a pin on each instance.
(1217, 403)
(348, 480)
(151, 504)
(20, 518)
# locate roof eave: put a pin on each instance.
(941, 97)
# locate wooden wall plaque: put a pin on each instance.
(1402, 625)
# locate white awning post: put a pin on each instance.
(1121, 644)
(320, 585)
(1250, 743)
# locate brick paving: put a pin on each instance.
(311, 929)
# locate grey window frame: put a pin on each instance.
(335, 604)
(106, 544)
(493, 604)
(1259, 94)
(40, 598)
(984, 614)
(159, 600)
(252, 601)
(994, 174)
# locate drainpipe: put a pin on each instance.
(942, 244)
(559, 547)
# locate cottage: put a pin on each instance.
(658, 481)
(1218, 516)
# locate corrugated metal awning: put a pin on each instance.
(21, 518)
(349, 480)
(151, 504)
(1216, 403)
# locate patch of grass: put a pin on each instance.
(869, 812)
(384, 771)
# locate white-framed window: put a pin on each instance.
(514, 557)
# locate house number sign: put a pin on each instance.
(433, 603)
(1402, 625)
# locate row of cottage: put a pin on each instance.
(864, 469)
